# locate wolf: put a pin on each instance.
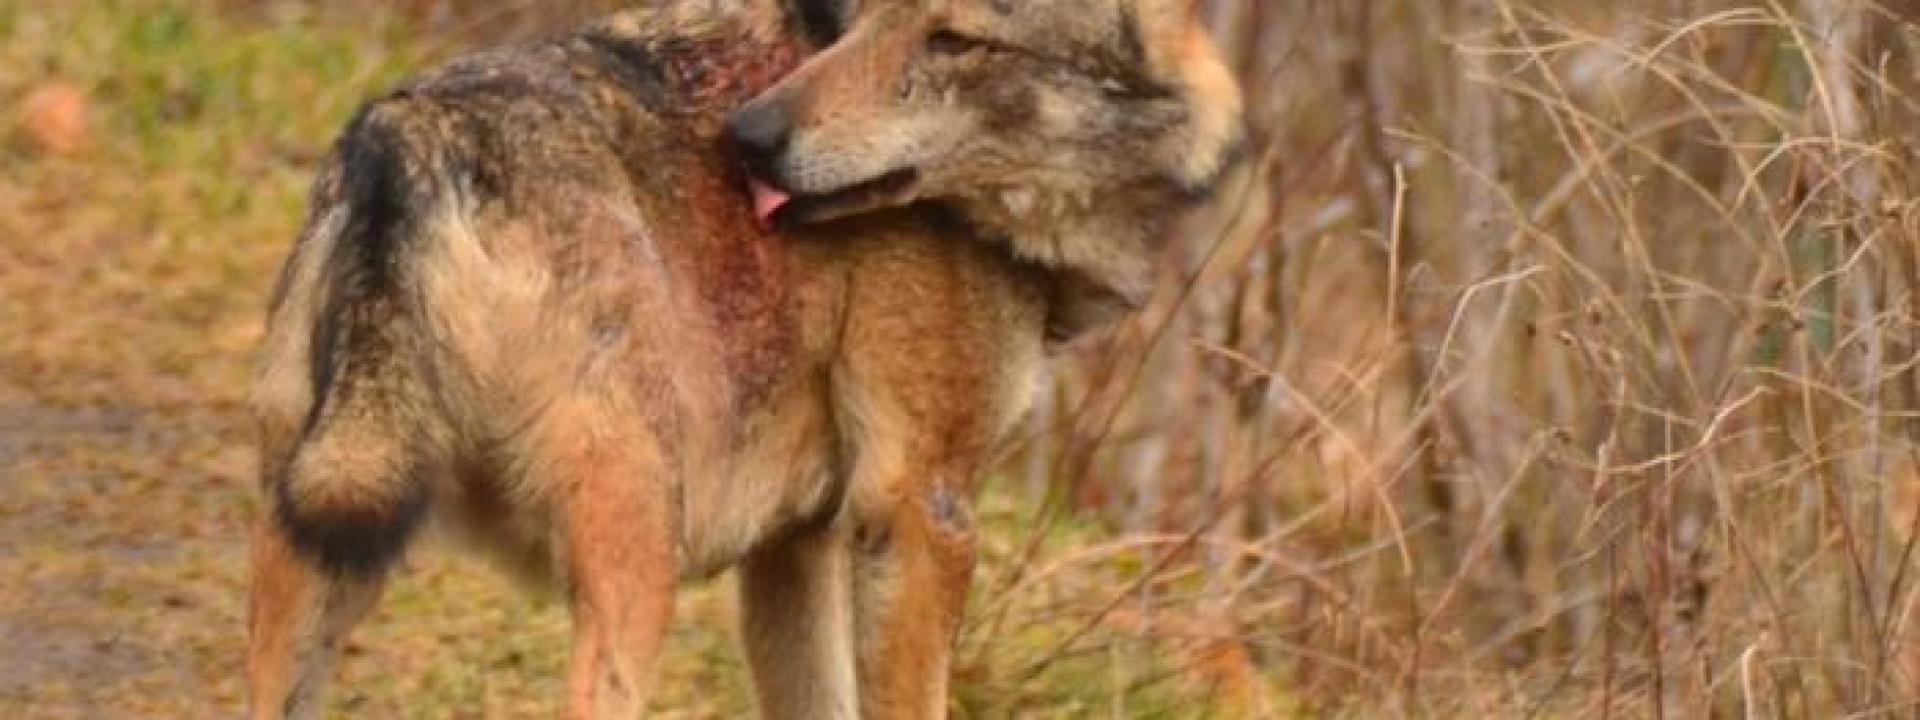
(753, 284)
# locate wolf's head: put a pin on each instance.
(1071, 128)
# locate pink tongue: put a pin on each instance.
(767, 200)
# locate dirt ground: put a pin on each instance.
(123, 566)
(122, 536)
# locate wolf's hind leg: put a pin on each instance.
(614, 512)
(344, 507)
(299, 617)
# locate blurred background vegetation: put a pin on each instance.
(1551, 359)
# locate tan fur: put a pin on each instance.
(532, 305)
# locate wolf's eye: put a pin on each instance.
(948, 42)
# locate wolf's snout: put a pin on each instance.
(759, 132)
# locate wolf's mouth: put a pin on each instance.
(773, 205)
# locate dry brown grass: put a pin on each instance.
(1559, 359)
(1552, 358)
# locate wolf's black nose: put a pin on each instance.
(759, 132)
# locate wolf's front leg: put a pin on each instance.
(913, 558)
(936, 360)
(917, 447)
(796, 599)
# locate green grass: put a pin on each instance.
(165, 233)
(134, 276)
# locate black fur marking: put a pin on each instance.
(633, 67)
(950, 220)
(360, 272)
(820, 20)
(360, 542)
(872, 539)
(1129, 65)
(1012, 106)
(1133, 49)
(374, 179)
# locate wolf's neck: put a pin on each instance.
(1096, 247)
(1108, 239)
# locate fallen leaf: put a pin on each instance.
(53, 119)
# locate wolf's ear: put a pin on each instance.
(1164, 26)
(821, 20)
(1181, 54)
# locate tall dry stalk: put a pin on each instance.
(1573, 360)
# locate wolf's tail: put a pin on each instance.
(347, 485)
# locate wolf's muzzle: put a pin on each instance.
(759, 133)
